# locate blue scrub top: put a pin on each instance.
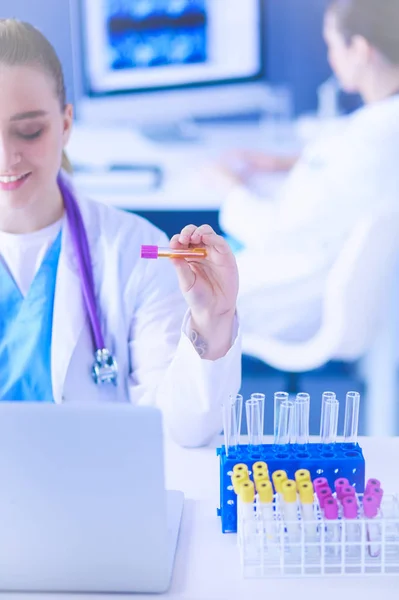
(25, 332)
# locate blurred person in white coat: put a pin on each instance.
(291, 240)
(167, 328)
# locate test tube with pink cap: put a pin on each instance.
(323, 494)
(371, 512)
(332, 524)
(339, 485)
(348, 490)
(351, 524)
(320, 482)
(372, 483)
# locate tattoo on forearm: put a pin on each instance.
(199, 343)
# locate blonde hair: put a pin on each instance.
(22, 44)
(66, 164)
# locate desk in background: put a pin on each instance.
(185, 194)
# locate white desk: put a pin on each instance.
(207, 562)
(183, 163)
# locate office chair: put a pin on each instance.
(358, 319)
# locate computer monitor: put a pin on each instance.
(151, 60)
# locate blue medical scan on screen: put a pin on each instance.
(156, 33)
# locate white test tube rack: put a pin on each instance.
(327, 553)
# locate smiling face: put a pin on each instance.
(33, 132)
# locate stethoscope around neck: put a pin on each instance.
(105, 368)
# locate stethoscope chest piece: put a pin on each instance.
(105, 368)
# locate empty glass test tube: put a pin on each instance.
(279, 397)
(351, 423)
(232, 415)
(282, 433)
(329, 418)
(261, 398)
(253, 408)
(301, 416)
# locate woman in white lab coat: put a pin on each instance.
(169, 325)
(292, 239)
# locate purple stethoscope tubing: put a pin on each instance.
(82, 252)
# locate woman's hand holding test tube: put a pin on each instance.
(209, 284)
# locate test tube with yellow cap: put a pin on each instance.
(259, 477)
(306, 497)
(260, 465)
(241, 468)
(240, 474)
(265, 507)
(246, 499)
(260, 472)
(279, 477)
(302, 475)
(237, 479)
(290, 509)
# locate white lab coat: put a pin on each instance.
(142, 313)
(292, 239)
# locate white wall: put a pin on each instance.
(52, 18)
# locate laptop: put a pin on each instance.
(83, 505)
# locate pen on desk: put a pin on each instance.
(159, 252)
(301, 415)
(232, 411)
(329, 418)
(265, 500)
(302, 476)
(306, 497)
(253, 408)
(351, 422)
(370, 510)
(332, 529)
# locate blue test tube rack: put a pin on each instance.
(331, 461)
